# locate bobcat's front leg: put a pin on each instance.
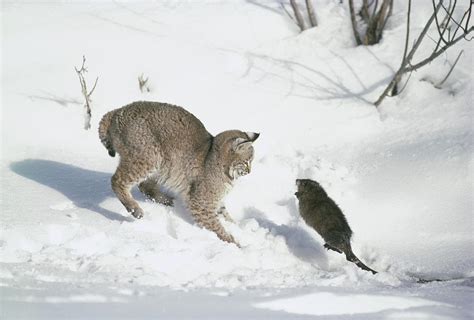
(206, 217)
(225, 214)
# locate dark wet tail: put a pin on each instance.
(350, 256)
(104, 133)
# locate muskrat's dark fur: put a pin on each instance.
(322, 214)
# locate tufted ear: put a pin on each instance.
(241, 144)
(252, 136)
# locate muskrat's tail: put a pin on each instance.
(350, 256)
(104, 132)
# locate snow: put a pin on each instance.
(402, 174)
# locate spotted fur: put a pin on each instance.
(168, 152)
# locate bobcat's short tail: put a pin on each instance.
(104, 133)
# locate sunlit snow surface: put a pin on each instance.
(402, 174)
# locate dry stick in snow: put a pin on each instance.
(298, 16)
(287, 12)
(440, 84)
(354, 23)
(375, 17)
(406, 64)
(143, 83)
(380, 21)
(87, 95)
(392, 86)
(311, 14)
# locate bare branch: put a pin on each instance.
(375, 7)
(93, 88)
(364, 11)
(440, 84)
(87, 95)
(436, 54)
(387, 14)
(445, 19)
(407, 37)
(451, 19)
(407, 66)
(354, 23)
(375, 16)
(468, 16)
(311, 14)
(83, 68)
(422, 34)
(287, 12)
(143, 83)
(298, 16)
(405, 84)
(441, 30)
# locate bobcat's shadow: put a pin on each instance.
(85, 188)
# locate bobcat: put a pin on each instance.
(322, 214)
(168, 152)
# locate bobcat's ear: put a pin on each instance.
(252, 136)
(241, 144)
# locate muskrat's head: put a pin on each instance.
(307, 186)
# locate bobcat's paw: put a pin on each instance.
(137, 213)
(230, 239)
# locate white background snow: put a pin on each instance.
(402, 174)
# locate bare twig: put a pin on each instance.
(87, 94)
(375, 17)
(143, 83)
(387, 14)
(398, 75)
(407, 37)
(440, 27)
(298, 16)
(436, 54)
(451, 40)
(364, 11)
(381, 19)
(311, 14)
(376, 4)
(468, 16)
(392, 86)
(394, 90)
(440, 84)
(354, 23)
(287, 12)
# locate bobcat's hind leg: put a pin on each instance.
(151, 189)
(124, 178)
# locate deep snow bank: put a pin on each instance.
(403, 176)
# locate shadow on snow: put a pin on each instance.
(85, 188)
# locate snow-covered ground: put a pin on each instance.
(402, 175)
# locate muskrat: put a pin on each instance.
(321, 213)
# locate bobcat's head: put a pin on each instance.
(237, 152)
